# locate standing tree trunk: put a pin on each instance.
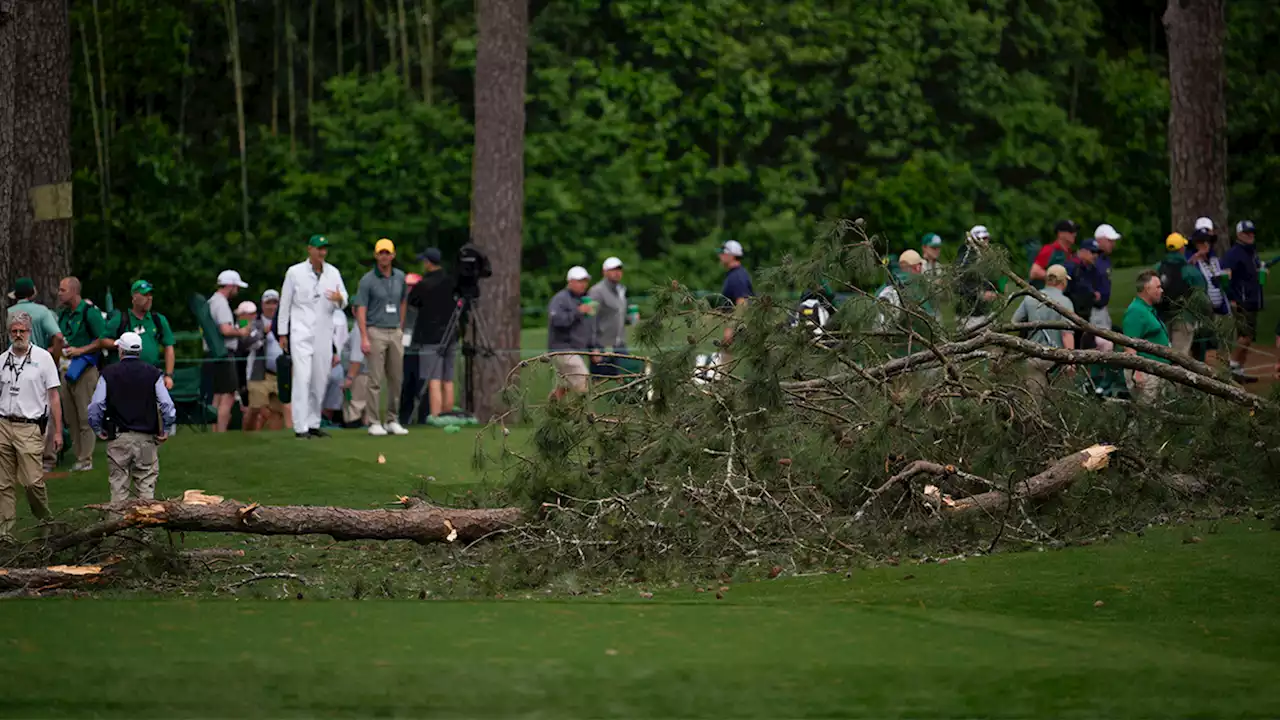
(337, 21)
(8, 151)
(404, 46)
(1196, 32)
(311, 71)
(35, 142)
(497, 198)
(233, 42)
(426, 49)
(275, 72)
(292, 99)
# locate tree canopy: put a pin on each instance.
(654, 130)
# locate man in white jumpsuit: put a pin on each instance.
(312, 291)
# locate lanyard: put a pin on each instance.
(14, 368)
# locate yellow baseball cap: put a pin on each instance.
(384, 244)
(1057, 272)
(1175, 241)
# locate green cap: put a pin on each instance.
(930, 240)
(318, 241)
(141, 287)
(23, 288)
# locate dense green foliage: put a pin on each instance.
(654, 129)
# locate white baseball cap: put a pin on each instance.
(231, 277)
(246, 308)
(130, 342)
(612, 263)
(980, 232)
(731, 247)
(1106, 232)
(577, 272)
(270, 295)
(1204, 223)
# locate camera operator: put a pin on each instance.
(435, 300)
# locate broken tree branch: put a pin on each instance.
(1058, 477)
(52, 576)
(419, 522)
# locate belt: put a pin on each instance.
(16, 419)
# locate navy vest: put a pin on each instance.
(131, 396)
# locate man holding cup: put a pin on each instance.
(571, 327)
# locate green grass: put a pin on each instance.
(1186, 630)
(276, 468)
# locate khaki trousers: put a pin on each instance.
(21, 445)
(133, 456)
(1180, 336)
(386, 369)
(1148, 391)
(75, 412)
(357, 409)
(572, 372)
(1038, 376)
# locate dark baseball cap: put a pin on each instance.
(1202, 236)
(431, 255)
(1091, 245)
(23, 289)
(1066, 226)
(1245, 226)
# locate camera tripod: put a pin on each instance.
(461, 320)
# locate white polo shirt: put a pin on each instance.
(25, 383)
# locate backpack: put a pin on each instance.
(124, 321)
(1176, 289)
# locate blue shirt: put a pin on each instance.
(1102, 279)
(1243, 264)
(737, 285)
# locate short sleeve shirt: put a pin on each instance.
(154, 330)
(737, 285)
(82, 325)
(44, 324)
(1140, 322)
(25, 383)
(1052, 254)
(220, 311)
(381, 296)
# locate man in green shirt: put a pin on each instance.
(44, 325)
(152, 327)
(1141, 321)
(85, 332)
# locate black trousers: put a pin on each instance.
(411, 386)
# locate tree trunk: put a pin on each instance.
(1196, 33)
(291, 90)
(419, 521)
(8, 151)
(233, 43)
(275, 72)
(337, 21)
(404, 46)
(497, 198)
(427, 49)
(35, 159)
(311, 71)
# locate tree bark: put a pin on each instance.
(35, 142)
(233, 44)
(8, 152)
(419, 522)
(497, 198)
(53, 576)
(1196, 33)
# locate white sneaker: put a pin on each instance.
(396, 428)
(377, 430)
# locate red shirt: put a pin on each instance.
(1045, 257)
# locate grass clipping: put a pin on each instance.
(888, 430)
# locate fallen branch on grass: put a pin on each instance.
(52, 576)
(419, 521)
